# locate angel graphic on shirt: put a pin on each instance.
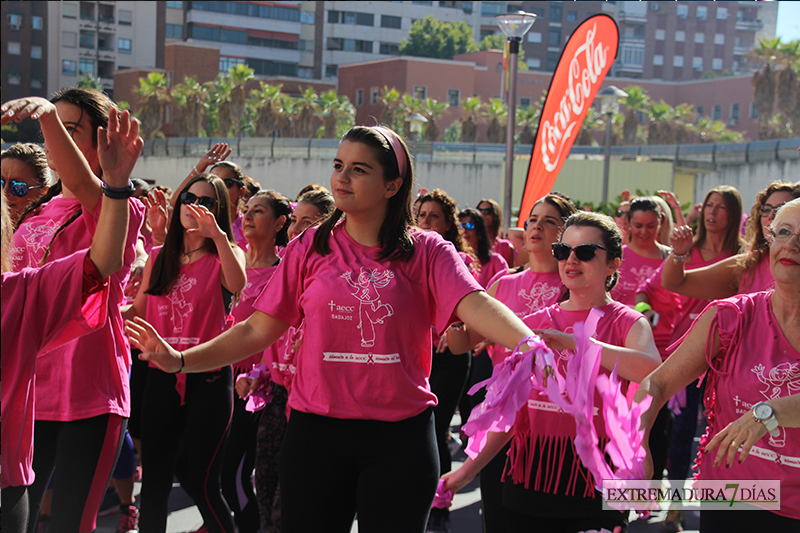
(781, 380)
(180, 307)
(539, 294)
(371, 310)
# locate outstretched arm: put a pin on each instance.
(491, 319)
(219, 152)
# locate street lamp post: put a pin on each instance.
(609, 105)
(415, 123)
(514, 27)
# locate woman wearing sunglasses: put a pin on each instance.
(188, 289)
(26, 177)
(748, 347)
(493, 218)
(546, 486)
(78, 427)
(477, 237)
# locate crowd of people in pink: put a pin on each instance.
(297, 363)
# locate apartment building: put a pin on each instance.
(24, 49)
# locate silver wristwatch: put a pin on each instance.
(764, 413)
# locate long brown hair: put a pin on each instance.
(754, 231)
(496, 228)
(167, 265)
(280, 208)
(393, 237)
(34, 156)
(733, 242)
(450, 210)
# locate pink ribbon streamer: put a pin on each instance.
(442, 499)
(259, 398)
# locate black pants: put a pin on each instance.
(237, 467)
(660, 436)
(449, 373)
(682, 446)
(15, 509)
(188, 442)
(491, 482)
(271, 430)
(522, 523)
(480, 370)
(754, 520)
(331, 469)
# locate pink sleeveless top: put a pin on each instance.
(257, 279)
(192, 312)
(760, 279)
(755, 363)
(487, 272)
(542, 426)
(633, 272)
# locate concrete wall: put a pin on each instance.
(749, 179)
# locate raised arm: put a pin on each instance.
(219, 152)
(118, 148)
(231, 257)
(63, 154)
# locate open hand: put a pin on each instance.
(670, 198)
(556, 340)
(157, 210)
(32, 106)
(219, 152)
(154, 349)
(118, 147)
(681, 240)
(206, 222)
(739, 435)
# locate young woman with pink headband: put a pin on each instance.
(369, 287)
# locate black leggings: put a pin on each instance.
(15, 507)
(331, 469)
(237, 467)
(84, 452)
(752, 520)
(271, 429)
(188, 442)
(449, 373)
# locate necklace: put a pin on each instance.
(187, 254)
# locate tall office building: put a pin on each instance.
(24, 49)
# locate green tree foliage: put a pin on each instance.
(90, 81)
(430, 37)
(152, 92)
(190, 98)
(495, 41)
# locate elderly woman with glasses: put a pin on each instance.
(188, 289)
(748, 346)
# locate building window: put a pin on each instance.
(722, 13)
(535, 37)
(555, 12)
(753, 112)
(554, 37)
(552, 60)
(14, 78)
(661, 35)
(36, 52)
(36, 82)
(389, 21)
(632, 55)
(390, 49)
(226, 63)
(175, 5)
(683, 11)
(680, 36)
(735, 111)
(331, 71)
(69, 11)
(69, 39)
(351, 17)
(13, 48)
(454, 97)
(15, 21)
(534, 62)
(717, 112)
(700, 111)
(702, 12)
(124, 46)
(719, 38)
(658, 60)
(699, 37)
(420, 92)
(697, 63)
(305, 72)
(524, 103)
(572, 15)
(126, 18)
(490, 9)
(716, 63)
(174, 31)
(86, 66)
(677, 61)
(373, 96)
(37, 23)
(87, 39)
(359, 97)
(69, 68)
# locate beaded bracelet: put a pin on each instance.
(117, 193)
(680, 258)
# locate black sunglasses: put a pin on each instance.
(18, 188)
(230, 182)
(191, 198)
(620, 213)
(584, 252)
(486, 211)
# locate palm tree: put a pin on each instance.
(683, 118)
(189, 97)
(307, 108)
(267, 103)
(594, 121)
(528, 120)
(715, 131)
(764, 83)
(408, 106)
(469, 122)
(390, 101)
(219, 106)
(90, 81)
(497, 114)
(636, 102)
(337, 114)
(659, 131)
(788, 86)
(289, 109)
(239, 75)
(152, 92)
(432, 110)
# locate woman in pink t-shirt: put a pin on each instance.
(77, 284)
(188, 288)
(79, 426)
(477, 236)
(643, 254)
(369, 287)
(26, 177)
(749, 346)
(546, 487)
(492, 215)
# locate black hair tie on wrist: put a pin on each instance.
(119, 193)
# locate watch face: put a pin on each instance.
(763, 411)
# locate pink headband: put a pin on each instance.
(394, 142)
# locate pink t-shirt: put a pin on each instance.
(257, 279)
(238, 235)
(34, 235)
(487, 272)
(755, 363)
(760, 279)
(505, 249)
(633, 272)
(31, 326)
(544, 425)
(525, 293)
(366, 350)
(70, 385)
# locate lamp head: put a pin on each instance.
(515, 25)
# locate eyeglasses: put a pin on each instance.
(766, 209)
(783, 235)
(191, 198)
(18, 188)
(230, 182)
(584, 252)
(486, 211)
(620, 213)
(468, 225)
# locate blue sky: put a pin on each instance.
(788, 20)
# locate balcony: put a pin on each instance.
(749, 24)
(631, 39)
(739, 50)
(632, 17)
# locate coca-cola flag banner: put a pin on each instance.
(584, 63)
